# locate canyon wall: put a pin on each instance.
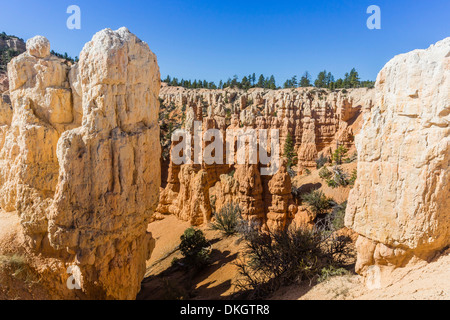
(317, 120)
(400, 204)
(17, 46)
(79, 161)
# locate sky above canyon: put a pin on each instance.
(215, 40)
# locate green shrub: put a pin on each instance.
(352, 158)
(353, 177)
(322, 161)
(195, 248)
(336, 178)
(291, 172)
(325, 174)
(331, 271)
(318, 203)
(271, 260)
(334, 220)
(227, 219)
(340, 177)
(18, 266)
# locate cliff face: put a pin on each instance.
(79, 160)
(401, 199)
(316, 120)
(9, 47)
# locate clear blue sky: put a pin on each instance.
(214, 40)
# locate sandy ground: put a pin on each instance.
(165, 282)
(422, 281)
(419, 281)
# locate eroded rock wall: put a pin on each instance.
(401, 199)
(316, 120)
(80, 159)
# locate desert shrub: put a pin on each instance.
(331, 271)
(340, 177)
(335, 178)
(325, 174)
(337, 216)
(271, 260)
(307, 172)
(195, 248)
(18, 266)
(227, 219)
(334, 220)
(321, 161)
(291, 172)
(352, 158)
(353, 177)
(318, 203)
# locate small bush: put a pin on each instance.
(272, 260)
(18, 265)
(338, 216)
(322, 161)
(333, 221)
(352, 158)
(195, 248)
(340, 177)
(331, 271)
(336, 178)
(325, 174)
(227, 219)
(318, 203)
(291, 172)
(353, 177)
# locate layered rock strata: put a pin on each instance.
(79, 159)
(316, 120)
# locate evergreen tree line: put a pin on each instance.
(324, 80)
(5, 36)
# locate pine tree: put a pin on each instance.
(261, 81)
(354, 78)
(321, 80)
(289, 153)
(271, 84)
(305, 80)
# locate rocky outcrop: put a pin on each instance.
(79, 160)
(401, 199)
(15, 46)
(316, 120)
(13, 43)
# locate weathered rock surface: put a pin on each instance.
(317, 120)
(79, 159)
(8, 43)
(401, 199)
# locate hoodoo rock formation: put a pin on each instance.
(400, 204)
(79, 161)
(317, 121)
